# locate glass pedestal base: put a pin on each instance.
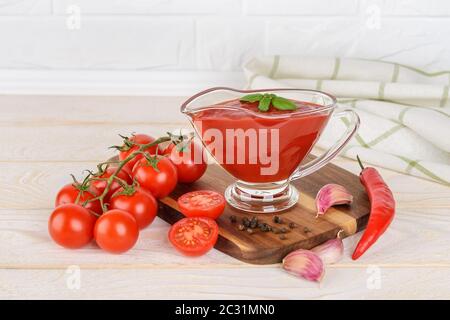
(262, 197)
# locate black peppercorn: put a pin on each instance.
(292, 225)
(233, 219)
(277, 219)
(264, 227)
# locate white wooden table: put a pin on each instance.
(44, 139)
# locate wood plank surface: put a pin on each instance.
(39, 148)
(218, 282)
(267, 247)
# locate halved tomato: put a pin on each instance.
(194, 236)
(202, 203)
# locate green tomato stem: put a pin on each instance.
(120, 166)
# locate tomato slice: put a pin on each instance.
(202, 203)
(194, 236)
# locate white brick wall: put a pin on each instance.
(301, 7)
(217, 35)
(152, 7)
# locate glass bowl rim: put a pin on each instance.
(185, 109)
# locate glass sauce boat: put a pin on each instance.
(264, 150)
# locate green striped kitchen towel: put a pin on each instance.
(404, 111)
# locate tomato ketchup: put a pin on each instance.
(257, 146)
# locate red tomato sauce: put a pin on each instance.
(284, 137)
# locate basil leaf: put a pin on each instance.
(283, 104)
(264, 104)
(252, 97)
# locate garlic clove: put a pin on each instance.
(305, 264)
(331, 251)
(331, 194)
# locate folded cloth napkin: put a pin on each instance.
(404, 111)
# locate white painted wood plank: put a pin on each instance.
(414, 238)
(33, 186)
(98, 110)
(25, 238)
(70, 143)
(223, 283)
(417, 236)
(43, 139)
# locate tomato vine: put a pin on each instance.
(176, 139)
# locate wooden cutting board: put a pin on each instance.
(267, 247)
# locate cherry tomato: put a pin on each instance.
(189, 161)
(116, 231)
(71, 226)
(161, 181)
(140, 139)
(127, 170)
(202, 203)
(194, 236)
(101, 185)
(69, 194)
(141, 204)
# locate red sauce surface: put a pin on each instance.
(297, 134)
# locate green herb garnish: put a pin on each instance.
(252, 97)
(266, 99)
(264, 103)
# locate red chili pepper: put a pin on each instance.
(382, 208)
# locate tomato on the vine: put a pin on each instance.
(189, 159)
(69, 194)
(100, 185)
(71, 226)
(158, 175)
(202, 203)
(140, 203)
(194, 236)
(116, 231)
(126, 150)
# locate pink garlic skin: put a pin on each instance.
(305, 264)
(331, 251)
(331, 194)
